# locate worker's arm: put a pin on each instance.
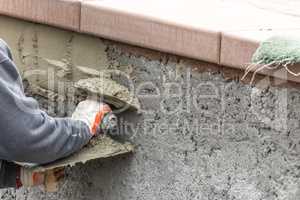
(27, 133)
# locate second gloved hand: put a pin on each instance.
(97, 115)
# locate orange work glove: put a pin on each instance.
(96, 115)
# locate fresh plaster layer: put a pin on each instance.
(48, 51)
(200, 135)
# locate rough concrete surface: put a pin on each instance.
(200, 134)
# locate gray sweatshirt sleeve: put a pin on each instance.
(27, 133)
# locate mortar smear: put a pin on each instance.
(112, 92)
(100, 147)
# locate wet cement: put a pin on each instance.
(110, 91)
(202, 133)
(99, 148)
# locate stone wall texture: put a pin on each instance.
(201, 135)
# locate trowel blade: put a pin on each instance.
(103, 148)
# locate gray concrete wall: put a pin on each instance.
(201, 135)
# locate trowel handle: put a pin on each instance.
(109, 124)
